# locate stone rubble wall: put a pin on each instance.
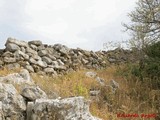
(54, 59)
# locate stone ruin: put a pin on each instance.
(56, 59)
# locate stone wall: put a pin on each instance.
(55, 59)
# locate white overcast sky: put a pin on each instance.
(87, 24)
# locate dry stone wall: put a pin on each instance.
(51, 59)
(55, 59)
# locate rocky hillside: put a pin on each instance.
(56, 59)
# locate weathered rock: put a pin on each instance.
(41, 47)
(13, 104)
(35, 42)
(114, 84)
(42, 53)
(29, 68)
(42, 64)
(33, 93)
(51, 57)
(18, 78)
(47, 60)
(36, 57)
(17, 42)
(84, 61)
(32, 61)
(60, 62)
(9, 60)
(34, 47)
(12, 47)
(29, 50)
(112, 60)
(91, 74)
(8, 54)
(75, 108)
(64, 50)
(25, 56)
(49, 70)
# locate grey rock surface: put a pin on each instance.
(33, 92)
(13, 105)
(12, 47)
(75, 108)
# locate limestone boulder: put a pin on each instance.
(33, 92)
(12, 104)
(74, 108)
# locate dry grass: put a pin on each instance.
(131, 97)
(6, 71)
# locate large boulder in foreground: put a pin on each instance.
(74, 108)
(12, 105)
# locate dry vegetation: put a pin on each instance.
(132, 96)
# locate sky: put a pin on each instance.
(87, 24)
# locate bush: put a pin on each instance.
(150, 66)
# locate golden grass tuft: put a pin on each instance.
(5, 71)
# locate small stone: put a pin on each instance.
(91, 74)
(100, 81)
(114, 84)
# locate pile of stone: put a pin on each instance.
(37, 57)
(57, 59)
